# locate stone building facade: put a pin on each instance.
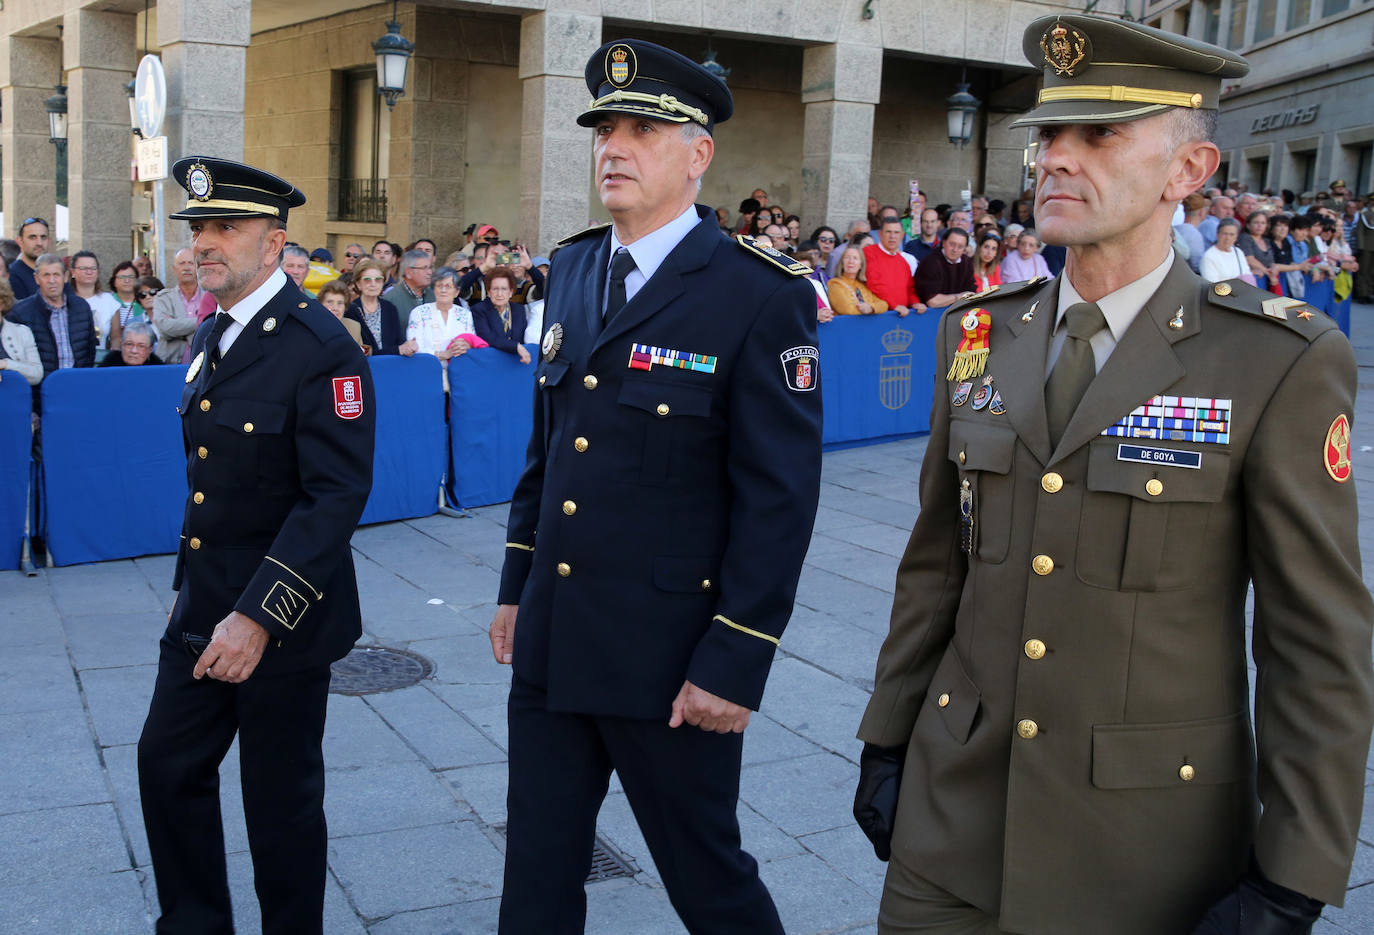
(1304, 115)
(835, 100)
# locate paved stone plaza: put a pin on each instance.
(416, 780)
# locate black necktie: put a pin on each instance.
(621, 265)
(222, 322)
(1074, 369)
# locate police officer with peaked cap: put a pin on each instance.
(1059, 739)
(658, 530)
(277, 417)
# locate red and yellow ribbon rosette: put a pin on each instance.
(972, 356)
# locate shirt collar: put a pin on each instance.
(653, 248)
(253, 302)
(61, 306)
(1119, 307)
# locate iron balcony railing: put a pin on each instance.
(362, 200)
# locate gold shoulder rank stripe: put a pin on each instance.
(583, 233)
(735, 626)
(784, 263)
(1295, 314)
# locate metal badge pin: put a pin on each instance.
(1026, 318)
(961, 393)
(1176, 322)
(983, 396)
(996, 407)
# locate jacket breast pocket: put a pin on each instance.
(1161, 756)
(659, 410)
(984, 454)
(1143, 525)
(257, 445)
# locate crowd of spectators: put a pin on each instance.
(60, 312)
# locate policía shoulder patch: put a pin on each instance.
(348, 397)
(1336, 449)
(801, 367)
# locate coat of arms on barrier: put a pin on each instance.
(894, 369)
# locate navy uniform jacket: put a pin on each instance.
(658, 530)
(279, 461)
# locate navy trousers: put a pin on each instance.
(683, 786)
(280, 724)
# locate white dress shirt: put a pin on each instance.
(246, 308)
(650, 251)
(1119, 308)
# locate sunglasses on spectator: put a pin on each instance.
(824, 239)
(354, 256)
(145, 295)
(27, 221)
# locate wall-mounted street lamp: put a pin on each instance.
(393, 61)
(56, 106)
(710, 64)
(960, 108)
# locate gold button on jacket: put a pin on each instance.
(581, 444)
(1027, 729)
(1042, 564)
(198, 497)
(1035, 649)
(589, 381)
(194, 543)
(1186, 773)
(569, 507)
(205, 405)
(1052, 482)
(564, 569)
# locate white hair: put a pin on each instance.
(691, 130)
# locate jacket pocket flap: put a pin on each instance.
(984, 447)
(1110, 472)
(685, 573)
(1157, 756)
(954, 695)
(251, 416)
(550, 372)
(666, 399)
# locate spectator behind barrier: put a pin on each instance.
(84, 275)
(135, 349)
(808, 255)
(1024, 262)
(848, 290)
(499, 321)
(381, 328)
(412, 289)
(61, 323)
(295, 262)
(175, 310)
(1223, 260)
(987, 261)
(948, 273)
(18, 353)
(33, 243)
(444, 327)
(334, 295)
(890, 270)
(826, 240)
(9, 252)
(124, 284)
(382, 253)
(145, 291)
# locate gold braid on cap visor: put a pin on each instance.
(253, 206)
(662, 101)
(1117, 92)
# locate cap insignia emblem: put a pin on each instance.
(198, 182)
(621, 65)
(1064, 49)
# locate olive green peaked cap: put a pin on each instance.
(1101, 70)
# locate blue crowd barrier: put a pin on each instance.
(114, 469)
(16, 439)
(411, 451)
(876, 377)
(489, 423)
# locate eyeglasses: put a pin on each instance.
(85, 269)
(126, 276)
(354, 256)
(370, 279)
(136, 346)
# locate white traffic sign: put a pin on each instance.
(152, 159)
(150, 96)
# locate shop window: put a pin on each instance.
(1235, 32)
(1299, 13)
(1258, 174)
(1266, 14)
(365, 149)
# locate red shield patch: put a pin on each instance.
(348, 397)
(1336, 450)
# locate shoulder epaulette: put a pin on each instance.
(999, 292)
(1236, 295)
(781, 261)
(594, 229)
(309, 312)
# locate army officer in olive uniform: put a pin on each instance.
(1061, 713)
(278, 419)
(657, 533)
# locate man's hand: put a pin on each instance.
(235, 648)
(1259, 906)
(875, 801)
(502, 632)
(700, 708)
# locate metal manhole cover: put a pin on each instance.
(607, 862)
(370, 669)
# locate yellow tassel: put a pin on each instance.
(967, 364)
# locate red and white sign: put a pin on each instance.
(348, 397)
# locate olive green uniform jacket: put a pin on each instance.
(1075, 691)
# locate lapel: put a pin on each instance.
(1020, 373)
(1143, 363)
(248, 345)
(692, 253)
(594, 285)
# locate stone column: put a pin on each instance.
(29, 68)
(840, 87)
(204, 47)
(555, 153)
(99, 51)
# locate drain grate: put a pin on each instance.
(371, 669)
(607, 862)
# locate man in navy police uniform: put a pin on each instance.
(658, 530)
(278, 419)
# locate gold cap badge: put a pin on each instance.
(621, 65)
(198, 182)
(1064, 49)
